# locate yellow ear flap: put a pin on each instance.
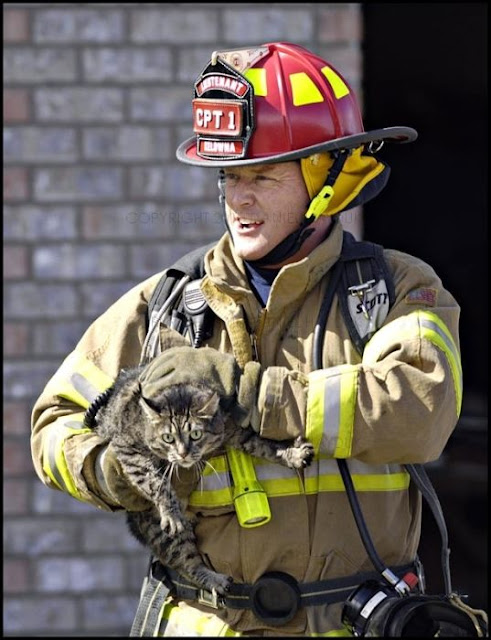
(358, 171)
(314, 170)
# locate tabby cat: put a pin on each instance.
(154, 437)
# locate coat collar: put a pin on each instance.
(227, 271)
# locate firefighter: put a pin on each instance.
(283, 130)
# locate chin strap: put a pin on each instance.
(292, 243)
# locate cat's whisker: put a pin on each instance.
(200, 465)
(175, 470)
(178, 468)
(208, 464)
(164, 478)
(168, 470)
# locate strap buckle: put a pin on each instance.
(209, 598)
(320, 202)
(360, 291)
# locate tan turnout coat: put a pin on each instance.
(403, 398)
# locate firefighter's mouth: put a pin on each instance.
(246, 223)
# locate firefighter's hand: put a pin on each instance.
(236, 387)
(113, 483)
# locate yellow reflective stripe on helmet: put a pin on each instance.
(79, 380)
(304, 91)
(427, 326)
(331, 409)
(338, 85)
(257, 77)
(54, 462)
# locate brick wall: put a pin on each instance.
(96, 100)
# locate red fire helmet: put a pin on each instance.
(273, 103)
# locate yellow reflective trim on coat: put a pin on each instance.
(315, 409)
(186, 621)
(285, 487)
(321, 476)
(304, 90)
(442, 338)
(214, 487)
(213, 498)
(331, 409)
(79, 380)
(338, 85)
(347, 406)
(427, 326)
(375, 482)
(257, 77)
(54, 462)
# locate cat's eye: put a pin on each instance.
(195, 434)
(168, 437)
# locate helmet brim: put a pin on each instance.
(186, 151)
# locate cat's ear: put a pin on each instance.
(209, 409)
(150, 411)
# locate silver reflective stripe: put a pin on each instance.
(214, 481)
(85, 388)
(329, 466)
(50, 452)
(274, 472)
(99, 474)
(332, 415)
(57, 435)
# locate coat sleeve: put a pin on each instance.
(63, 449)
(401, 403)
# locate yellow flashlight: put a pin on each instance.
(250, 499)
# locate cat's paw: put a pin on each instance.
(171, 525)
(218, 582)
(300, 454)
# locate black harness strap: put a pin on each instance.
(192, 265)
(240, 595)
(362, 263)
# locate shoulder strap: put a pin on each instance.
(192, 264)
(365, 289)
(166, 302)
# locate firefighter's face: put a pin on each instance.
(264, 204)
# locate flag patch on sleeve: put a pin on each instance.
(423, 295)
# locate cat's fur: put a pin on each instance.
(137, 426)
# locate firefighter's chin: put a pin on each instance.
(251, 248)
